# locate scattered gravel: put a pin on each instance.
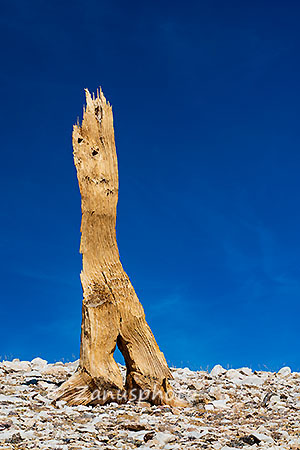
(229, 409)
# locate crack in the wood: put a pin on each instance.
(98, 181)
(109, 287)
(97, 294)
(98, 113)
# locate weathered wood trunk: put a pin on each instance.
(111, 312)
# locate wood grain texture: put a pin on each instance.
(111, 312)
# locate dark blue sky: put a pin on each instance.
(206, 107)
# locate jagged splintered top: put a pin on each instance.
(94, 104)
(94, 152)
(97, 117)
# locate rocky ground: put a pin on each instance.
(229, 409)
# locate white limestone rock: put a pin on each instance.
(54, 369)
(164, 437)
(217, 370)
(245, 371)
(221, 404)
(284, 371)
(263, 437)
(38, 364)
(16, 365)
(234, 375)
(10, 399)
(253, 380)
(195, 434)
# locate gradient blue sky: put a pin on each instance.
(206, 106)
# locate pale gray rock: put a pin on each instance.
(10, 399)
(38, 364)
(284, 371)
(88, 428)
(222, 404)
(275, 399)
(209, 407)
(137, 436)
(54, 369)
(195, 434)
(32, 374)
(245, 371)
(16, 365)
(164, 437)
(234, 374)
(263, 437)
(217, 370)
(253, 380)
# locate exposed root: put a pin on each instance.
(143, 388)
(82, 389)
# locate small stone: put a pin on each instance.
(38, 364)
(252, 381)
(263, 437)
(41, 398)
(149, 436)
(14, 439)
(56, 370)
(209, 407)
(295, 444)
(87, 428)
(134, 426)
(250, 439)
(164, 438)
(10, 399)
(217, 370)
(194, 434)
(137, 436)
(32, 374)
(216, 446)
(284, 371)
(245, 371)
(220, 404)
(5, 425)
(184, 371)
(62, 403)
(17, 365)
(233, 374)
(275, 399)
(144, 405)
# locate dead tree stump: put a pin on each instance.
(111, 312)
